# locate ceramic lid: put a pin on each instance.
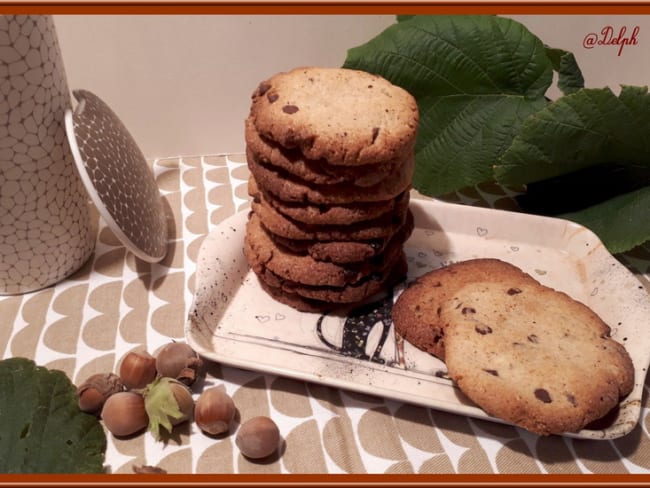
(117, 176)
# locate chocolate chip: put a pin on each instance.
(272, 97)
(571, 399)
(467, 310)
(533, 338)
(493, 372)
(290, 109)
(439, 311)
(375, 133)
(263, 88)
(542, 395)
(514, 291)
(483, 329)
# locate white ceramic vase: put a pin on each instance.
(45, 226)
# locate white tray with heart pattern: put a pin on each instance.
(233, 321)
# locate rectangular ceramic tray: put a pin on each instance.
(233, 321)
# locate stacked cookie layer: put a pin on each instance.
(330, 153)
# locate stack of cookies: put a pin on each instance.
(331, 157)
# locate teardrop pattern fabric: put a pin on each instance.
(86, 324)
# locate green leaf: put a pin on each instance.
(481, 83)
(476, 79)
(570, 77)
(622, 223)
(43, 430)
(402, 18)
(586, 128)
(161, 405)
(591, 128)
(470, 132)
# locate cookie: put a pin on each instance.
(342, 252)
(296, 301)
(319, 172)
(332, 295)
(262, 254)
(328, 214)
(325, 299)
(416, 313)
(533, 356)
(289, 188)
(384, 226)
(347, 117)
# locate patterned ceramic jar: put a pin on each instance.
(45, 226)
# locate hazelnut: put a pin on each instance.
(258, 437)
(91, 400)
(179, 361)
(124, 414)
(137, 369)
(146, 469)
(214, 411)
(93, 392)
(168, 402)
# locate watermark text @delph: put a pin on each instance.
(611, 36)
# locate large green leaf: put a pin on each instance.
(570, 77)
(481, 83)
(586, 128)
(476, 79)
(591, 128)
(464, 136)
(622, 222)
(42, 429)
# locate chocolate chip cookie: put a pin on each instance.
(289, 188)
(417, 310)
(320, 297)
(319, 172)
(533, 356)
(347, 117)
(263, 254)
(384, 226)
(345, 214)
(342, 252)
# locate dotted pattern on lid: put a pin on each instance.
(118, 177)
